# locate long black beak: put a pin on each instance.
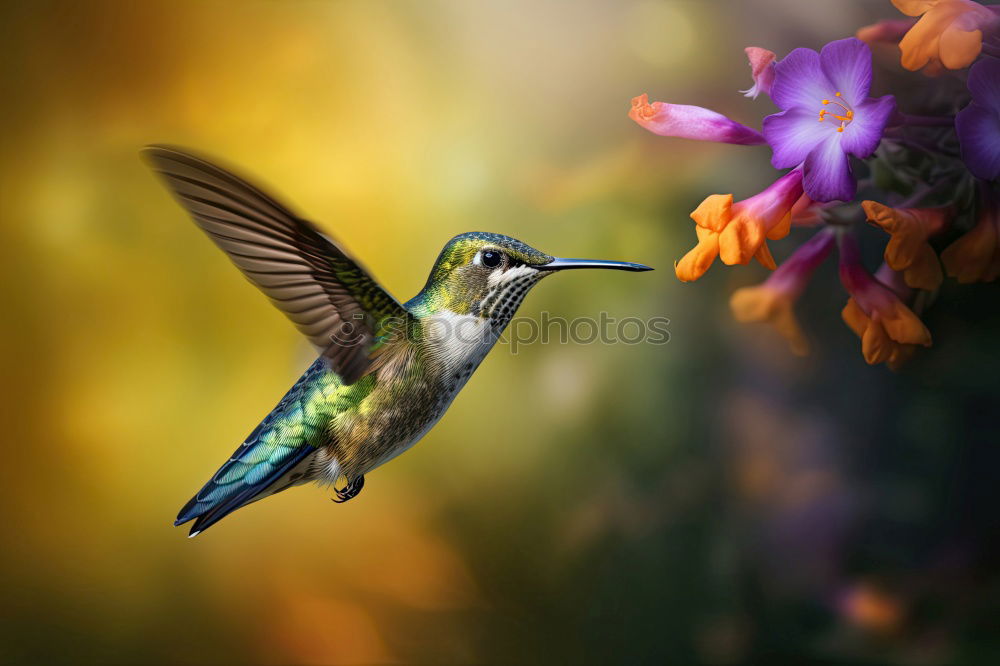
(558, 264)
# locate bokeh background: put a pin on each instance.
(712, 500)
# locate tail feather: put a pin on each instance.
(266, 462)
(217, 505)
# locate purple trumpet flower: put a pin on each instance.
(690, 122)
(826, 115)
(978, 124)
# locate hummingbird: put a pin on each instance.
(385, 372)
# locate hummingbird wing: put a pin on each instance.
(329, 297)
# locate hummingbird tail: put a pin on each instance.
(277, 455)
(217, 500)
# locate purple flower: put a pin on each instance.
(978, 124)
(826, 115)
(690, 122)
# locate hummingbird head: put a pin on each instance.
(488, 275)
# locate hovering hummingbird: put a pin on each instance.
(386, 372)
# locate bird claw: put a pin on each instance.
(349, 491)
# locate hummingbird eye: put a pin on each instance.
(491, 258)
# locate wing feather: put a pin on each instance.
(326, 294)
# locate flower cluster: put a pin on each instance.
(928, 182)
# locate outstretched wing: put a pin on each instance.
(326, 294)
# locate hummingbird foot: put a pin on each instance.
(350, 491)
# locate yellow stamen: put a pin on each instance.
(846, 116)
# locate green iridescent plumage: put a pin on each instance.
(386, 372)
(445, 288)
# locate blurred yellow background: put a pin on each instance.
(577, 503)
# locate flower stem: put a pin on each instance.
(795, 272)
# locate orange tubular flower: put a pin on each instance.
(908, 250)
(773, 300)
(743, 227)
(949, 33)
(975, 256)
(695, 263)
(894, 280)
(876, 314)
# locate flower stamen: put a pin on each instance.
(845, 117)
